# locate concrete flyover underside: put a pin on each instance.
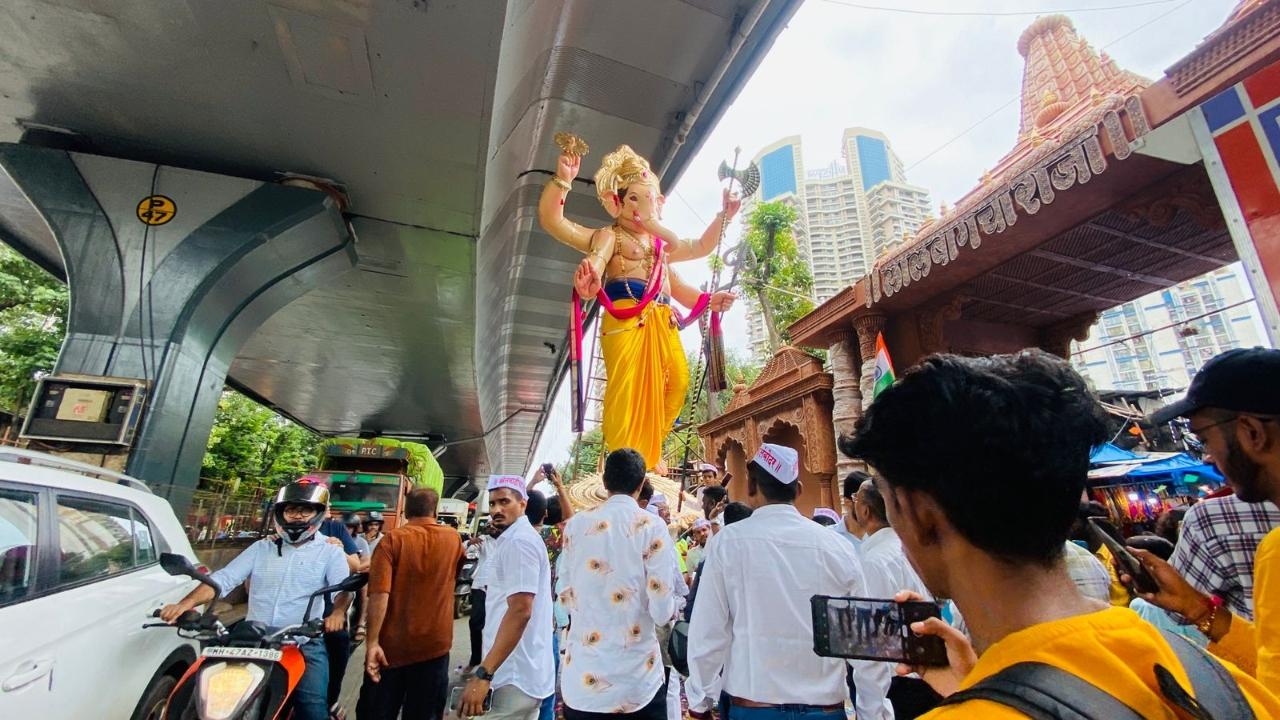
(420, 301)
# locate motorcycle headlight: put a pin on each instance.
(226, 687)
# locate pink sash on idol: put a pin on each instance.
(653, 288)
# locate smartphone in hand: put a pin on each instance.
(1106, 533)
(548, 471)
(455, 699)
(875, 629)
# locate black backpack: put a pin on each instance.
(1044, 692)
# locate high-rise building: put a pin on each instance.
(849, 212)
(1160, 340)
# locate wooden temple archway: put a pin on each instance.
(789, 404)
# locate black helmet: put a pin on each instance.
(375, 516)
(311, 494)
(350, 519)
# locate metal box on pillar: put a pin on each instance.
(86, 415)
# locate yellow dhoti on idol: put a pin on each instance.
(647, 378)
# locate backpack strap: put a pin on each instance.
(1044, 692)
(1218, 696)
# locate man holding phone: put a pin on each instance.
(1233, 404)
(991, 537)
(752, 629)
(879, 694)
(516, 664)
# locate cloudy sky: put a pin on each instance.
(944, 88)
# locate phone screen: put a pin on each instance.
(1106, 533)
(875, 629)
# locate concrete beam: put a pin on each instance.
(172, 303)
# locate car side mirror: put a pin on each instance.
(176, 564)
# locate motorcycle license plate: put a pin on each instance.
(243, 653)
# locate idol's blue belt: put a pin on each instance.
(631, 289)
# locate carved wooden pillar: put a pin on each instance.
(825, 498)
(868, 325)
(1057, 338)
(930, 322)
(846, 395)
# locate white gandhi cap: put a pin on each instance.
(508, 482)
(779, 461)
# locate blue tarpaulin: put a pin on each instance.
(1176, 468)
(1108, 453)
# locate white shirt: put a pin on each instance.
(481, 551)
(888, 571)
(843, 531)
(753, 617)
(615, 572)
(517, 563)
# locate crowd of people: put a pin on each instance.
(974, 502)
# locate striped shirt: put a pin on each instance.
(1216, 548)
(282, 579)
(1088, 573)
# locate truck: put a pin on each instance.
(364, 475)
(455, 512)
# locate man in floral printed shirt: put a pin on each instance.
(618, 565)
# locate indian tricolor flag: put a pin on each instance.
(884, 367)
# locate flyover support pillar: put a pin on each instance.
(170, 271)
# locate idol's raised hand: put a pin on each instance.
(567, 168)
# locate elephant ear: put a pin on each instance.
(611, 205)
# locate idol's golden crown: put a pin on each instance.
(621, 169)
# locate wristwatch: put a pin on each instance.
(481, 674)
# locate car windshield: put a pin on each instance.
(365, 493)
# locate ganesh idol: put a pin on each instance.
(628, 269)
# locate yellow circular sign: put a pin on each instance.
(156, 210)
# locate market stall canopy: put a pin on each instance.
(1108, 453)
(1175, 468)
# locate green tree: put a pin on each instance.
(773, 272)
(738, 371)
(584, 455)
(33, 317)
(250, 446)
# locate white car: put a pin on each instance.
(79, 577)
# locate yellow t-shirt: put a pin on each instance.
(1119, 593)
(1255, 646)
(1113, 649)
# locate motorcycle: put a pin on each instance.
(245, 672)
(462, 586)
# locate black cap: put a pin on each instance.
(1241, 380)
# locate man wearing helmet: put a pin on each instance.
(283, 571)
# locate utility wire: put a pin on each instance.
(993, 13)
(1144, 333)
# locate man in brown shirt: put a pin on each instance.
(411, 581)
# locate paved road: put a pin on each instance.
(355, 671)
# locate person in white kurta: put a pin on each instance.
(888, 572)
(516, 663)
(752, 629)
